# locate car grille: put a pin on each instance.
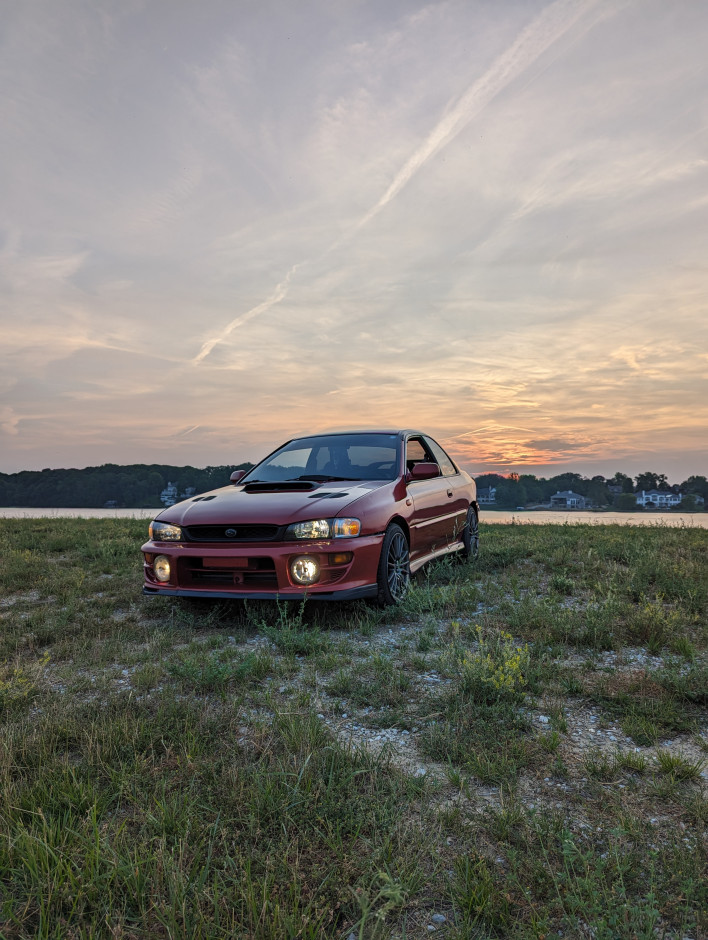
(259, 573)
(243, 533)
(245, 578)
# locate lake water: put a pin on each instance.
(559, 517)
(13, 512)
(517, 517)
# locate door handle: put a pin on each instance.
(449, 493)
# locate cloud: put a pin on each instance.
(443, 215)
(557, 444)
(276, 297)
(496, 448)
(9, 420)
(552, 24)
(22, 270)
(554, 21)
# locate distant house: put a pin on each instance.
(168, 497)
(658, 499)
(487, 495)
(567, 499)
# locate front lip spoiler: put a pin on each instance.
(349, 594)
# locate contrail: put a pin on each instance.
(278, 294)
(548, 27)
(490, 427)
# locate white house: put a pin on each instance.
(659, 499)
(168, 497)
(487, 495)
(567, 499)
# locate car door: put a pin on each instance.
(431, 524)
(457, 494)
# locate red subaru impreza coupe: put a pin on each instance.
(332, 516)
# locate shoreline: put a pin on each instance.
(670, 518)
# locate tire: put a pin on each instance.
(394, 574)
(470, 536)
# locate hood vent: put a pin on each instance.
(337, 495)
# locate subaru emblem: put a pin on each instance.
(231, 533)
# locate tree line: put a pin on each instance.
(617, 491)
(132, 486)
(139, 486)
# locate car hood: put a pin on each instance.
(255, 504)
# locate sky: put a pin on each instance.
(226, 223)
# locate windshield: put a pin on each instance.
(331, 457)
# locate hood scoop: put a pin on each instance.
(285, 486)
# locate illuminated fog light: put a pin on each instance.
(304, 569)
(161, 567)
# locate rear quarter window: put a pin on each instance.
(447, 467)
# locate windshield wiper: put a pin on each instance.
(322, 478)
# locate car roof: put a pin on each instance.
(397, 431)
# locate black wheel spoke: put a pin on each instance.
(393, 576)
(397, 566)
(471, 535)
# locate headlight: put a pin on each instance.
(304, 569)
(165, 532)
(161, 567)
(324, 529)
(314, 529)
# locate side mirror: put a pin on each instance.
(424, 471)
(236, 475)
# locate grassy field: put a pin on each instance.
(518, 751)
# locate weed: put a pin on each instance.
(549, 742)
(295, 641)
(562, 584)
(689, 684)
(378, 683)
(479, 894)
(600, 765)
(641, 729)
(632, 761)
(507, 823)
(678, 766)
(495, 670)
(682, 646)
(210, 672)
(18, 685)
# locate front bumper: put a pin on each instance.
(261, 571)
(342, 594)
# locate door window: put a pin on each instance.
(447, 467)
